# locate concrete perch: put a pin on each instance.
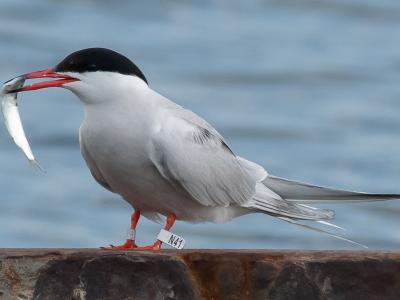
(198, 274)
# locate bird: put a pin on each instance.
(166, 161)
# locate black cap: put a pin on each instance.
(99, 59)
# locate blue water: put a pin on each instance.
(307, 88)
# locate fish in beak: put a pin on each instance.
(8, 96)
(61, 79)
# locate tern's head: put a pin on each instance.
(92, 74)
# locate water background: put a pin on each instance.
(307, 88)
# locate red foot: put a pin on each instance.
(131, 246)
(128, 245)
(155, 246)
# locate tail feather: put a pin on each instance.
(306, 193)
(271, 203)
(331, 224)
(291, 210)
(286, 200)
(295, 222)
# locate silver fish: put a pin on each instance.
(12, 119)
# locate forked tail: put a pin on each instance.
(286, 200)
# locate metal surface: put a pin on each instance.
(198, 274)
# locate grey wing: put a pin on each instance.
(191, 155)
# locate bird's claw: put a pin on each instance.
(155, 246)
(110, 246)
(130, 245)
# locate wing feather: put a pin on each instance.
(197, 159)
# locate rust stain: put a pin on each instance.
(203, 274)
(221, 276)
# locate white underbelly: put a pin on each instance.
(121, 157)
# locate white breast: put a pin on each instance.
(115, 139)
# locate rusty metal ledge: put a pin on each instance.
(198, 274)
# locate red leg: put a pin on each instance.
(130, 241)
(157, 244)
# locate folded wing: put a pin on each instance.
(195, 158)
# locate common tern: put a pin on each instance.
(167, 161)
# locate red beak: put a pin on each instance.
(48, 73)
